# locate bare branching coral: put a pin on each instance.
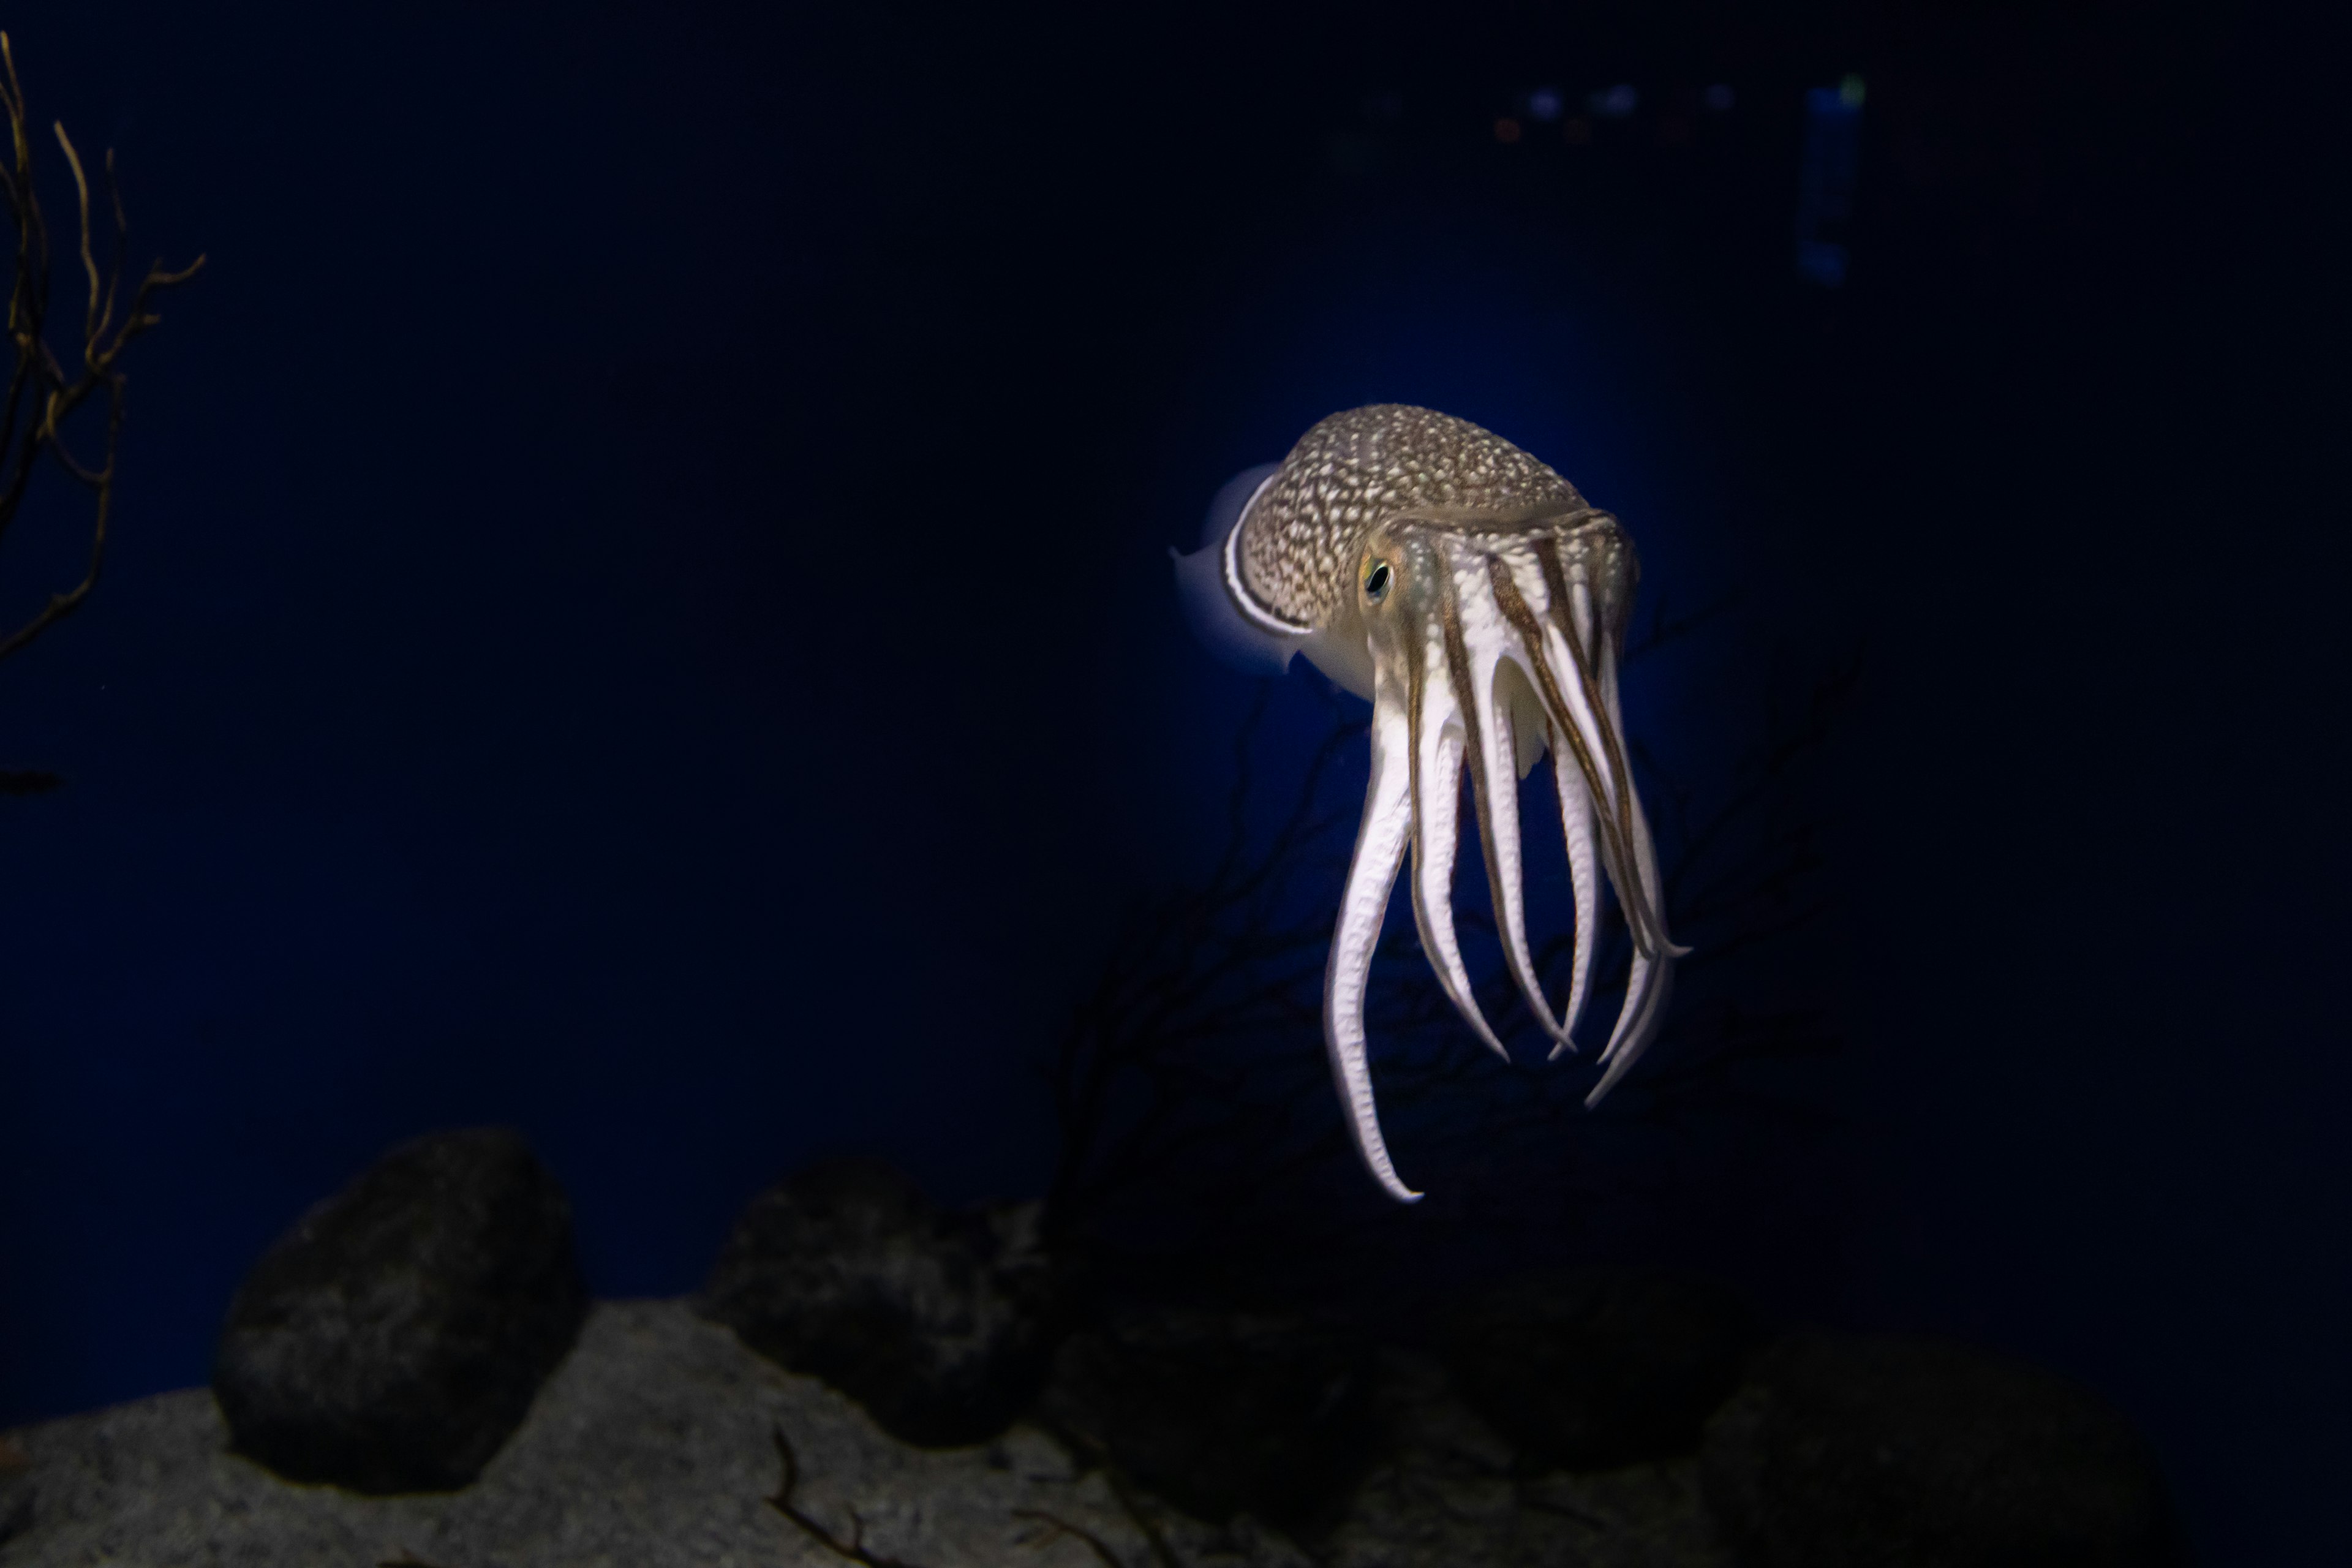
(46, 388)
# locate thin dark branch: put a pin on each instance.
(1162, 1553)
(42, 393)
(1061, 1527)
(1664, 630)
(92, 326)
(852, 1549)
(1565, 1511)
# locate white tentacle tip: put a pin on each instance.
(1375, 1152)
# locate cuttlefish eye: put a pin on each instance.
(1376, 582)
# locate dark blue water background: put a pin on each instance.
(641, 612)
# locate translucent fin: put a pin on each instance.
(1237, 638)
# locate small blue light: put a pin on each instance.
(1825, 181)
(1718, 98)
(1613, 104)
(1545, 104)
(1828, 103)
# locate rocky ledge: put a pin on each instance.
(662, 1440)
(407, 1378)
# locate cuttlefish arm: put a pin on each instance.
(1380, 842)
(1470, 593)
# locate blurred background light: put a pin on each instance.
(1825, 181)
(1614, 102)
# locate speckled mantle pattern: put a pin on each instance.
(653, 1446)
(1300, 540)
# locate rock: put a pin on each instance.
(1221, 1413)
(15, 1492)
(653, 1446)
(1864, 1451)
(395, 1337)
(656, 1445)
(1450, 1490)
(1599, 1368)
(940, 1324)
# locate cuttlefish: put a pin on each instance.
(1480, 604)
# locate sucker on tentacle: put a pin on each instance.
(1475, 597)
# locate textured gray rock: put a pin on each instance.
(15, 1492)
(395, 1337)
(1601, 1367)
(941, 1324)
(654, 1446)
(1452, 1491)
(1222, 1412)
(1849, 1451)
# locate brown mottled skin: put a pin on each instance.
(1301, 541)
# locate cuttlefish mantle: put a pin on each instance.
(1473, 596)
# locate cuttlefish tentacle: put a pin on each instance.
(1470, 593)
(1438, 745)
(1652, 973)
(1576, 827)
(1577, 716)
(1371, 872)
(1597, 776)
(1577, 778)
(1476, 646)
(1594, 649)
